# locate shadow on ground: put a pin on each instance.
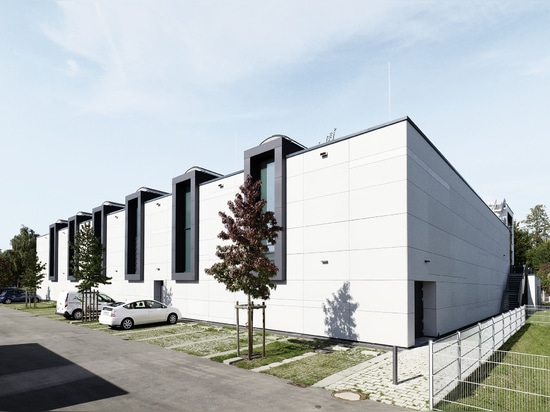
(32, 378)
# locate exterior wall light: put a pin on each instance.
(324, 262)
(324, 155)
(426, 261)
(220, 185)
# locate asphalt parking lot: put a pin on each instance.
(50, 365)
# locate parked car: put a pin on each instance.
(69, 304)
(8, 296)
(138, 312)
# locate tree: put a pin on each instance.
(544, 274)
(522, 244)
(87, 261)
(538, 225)
(6, 275)
(25, 268)
(243, 264)
(33, 275)
(538, 256)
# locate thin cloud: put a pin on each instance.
(164, 52)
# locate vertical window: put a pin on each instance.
(185, 223)
(188, 230)
(183, 227)
(135, 232)
(267, 162)
(267, 176)
(132, 252)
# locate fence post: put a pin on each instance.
(493, 330)
(431, 374)
(459, 355)
(480, 343)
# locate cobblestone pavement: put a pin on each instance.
(375, 378)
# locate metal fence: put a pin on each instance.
(90, 306)
(457, 360)
(538, 314)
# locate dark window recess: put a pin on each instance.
(135, 220)
(185, 223)
(183, 227)
(99, 222)
(74, 225)
(53, 265)
(132, 250)
(267, 162)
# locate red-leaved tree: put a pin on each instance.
(244, 265)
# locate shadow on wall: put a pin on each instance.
(167, 296)
(339, 315)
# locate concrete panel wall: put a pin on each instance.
(465, 244)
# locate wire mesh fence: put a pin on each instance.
(468, 372)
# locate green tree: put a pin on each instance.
(33, 275)
(25, 268)
(87, 262)
(544, 274)
(538, 256)
(243, 264)
(538, 225)
(6, 275)
(522, 244)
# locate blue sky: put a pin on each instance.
(99, 98)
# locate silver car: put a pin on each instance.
(139, 312)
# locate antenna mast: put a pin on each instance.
(389, 91)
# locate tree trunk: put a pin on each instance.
(250, 328)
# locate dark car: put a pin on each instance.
(17, 295)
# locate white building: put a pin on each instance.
(383, 242)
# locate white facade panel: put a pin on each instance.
(63, 255)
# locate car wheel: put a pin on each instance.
(77, 314)
(172, 318)
(127, 324)
(8, 301)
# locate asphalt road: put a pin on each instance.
(50, 365)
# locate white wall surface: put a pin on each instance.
(466, 244)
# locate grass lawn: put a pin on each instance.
(43, 308)
(312, 369)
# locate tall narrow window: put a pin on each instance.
(99, 222)
(74, 227)
(267, 162)
(188, 230)
(267, 176)
(132, 251)
(53, 265)
(135, 233)
(185, 223)
(183, 227)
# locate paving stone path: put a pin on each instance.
(375, 378)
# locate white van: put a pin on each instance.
(69, 304)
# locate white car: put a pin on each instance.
(138, 312)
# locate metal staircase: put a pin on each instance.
(515, 288)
